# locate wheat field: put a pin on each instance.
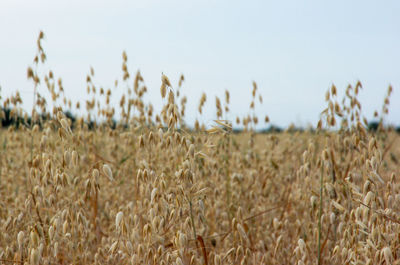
(148, 189)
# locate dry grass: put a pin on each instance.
(151, 191)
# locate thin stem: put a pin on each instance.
(192, 219)
(33, 111)
(320, 215)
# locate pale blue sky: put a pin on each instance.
(294, 50)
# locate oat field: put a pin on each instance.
(145, 188)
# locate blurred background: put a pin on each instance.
(294, 50)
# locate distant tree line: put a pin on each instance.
(12, 119)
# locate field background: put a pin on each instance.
(144, 187)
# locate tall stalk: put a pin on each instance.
(320, 213)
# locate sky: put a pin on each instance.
(294, 50)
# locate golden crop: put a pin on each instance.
(149, 190)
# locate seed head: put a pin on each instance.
(95, 173)
(20, 239)
(51, 232)
(118, 220)
(34, 256)
(163, 90)
(153, 194)
(242, 233)
(165, 80)
(107, 171)
(387, 253)
(191, 151)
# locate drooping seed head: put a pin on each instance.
(118, 220)
(107, 171)
(20, 239)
